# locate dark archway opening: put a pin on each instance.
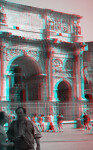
(89, 98)
(64, 93)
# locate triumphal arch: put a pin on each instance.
(41, 58)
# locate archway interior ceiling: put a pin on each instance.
(64, 85)
(28, 66)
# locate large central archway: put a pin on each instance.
(25, 83)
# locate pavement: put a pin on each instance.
(69, 139)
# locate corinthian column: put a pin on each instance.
(78, 54)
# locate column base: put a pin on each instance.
(82, 99)
(53, 100)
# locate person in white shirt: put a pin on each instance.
(3, 135)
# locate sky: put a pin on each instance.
(83, 8)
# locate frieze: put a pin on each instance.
(28, 19)
(62, 75)
(35, 53)
(57, 65)
(57, 62)
(10, 53)
(58, 24)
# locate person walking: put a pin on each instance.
(85, 117)
(50, 119)
(82, 120)
(88, 122)
(41, 122)
(59, 121)
(3, 136)
(22, 132)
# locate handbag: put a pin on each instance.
(37, 133)
(22, 142)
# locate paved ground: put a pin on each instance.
(69, 139)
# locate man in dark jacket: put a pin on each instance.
(23, 132)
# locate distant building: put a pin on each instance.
(88, 73)
(41, 59)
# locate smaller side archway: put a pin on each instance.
(64, 96)
(64, 92)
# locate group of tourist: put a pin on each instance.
(21, 132)
(51, 122)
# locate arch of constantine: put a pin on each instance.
(41, 59)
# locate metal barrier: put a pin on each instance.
(45, 108)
